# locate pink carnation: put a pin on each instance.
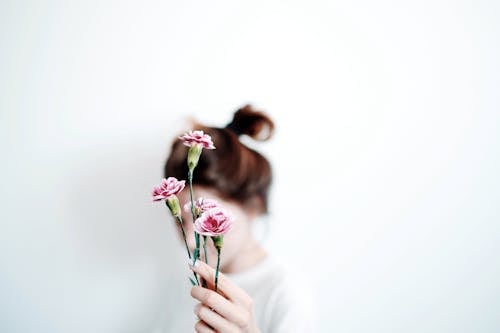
(168, 187)
(201, 205)
(197, 138)
(213, 222)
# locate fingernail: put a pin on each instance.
(191, 265)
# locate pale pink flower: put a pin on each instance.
(213, 222)
(168, 188)
(201, 205)
(197, 138)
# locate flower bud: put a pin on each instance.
(218, 241)
(173, 205)
(194, 156)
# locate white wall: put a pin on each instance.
(388, 116)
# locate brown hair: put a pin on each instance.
(236, 171)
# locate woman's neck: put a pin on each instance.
(250, 255)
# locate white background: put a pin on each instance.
(386, 154)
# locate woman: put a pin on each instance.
(254, 293)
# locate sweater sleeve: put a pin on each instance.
(289, 310)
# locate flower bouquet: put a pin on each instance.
(210, 220)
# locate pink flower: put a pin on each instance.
(197, 138)
(201, 205)
(213, 222)
(168, 188)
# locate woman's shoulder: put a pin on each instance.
(282, 299)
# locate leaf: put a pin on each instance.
(192, 282)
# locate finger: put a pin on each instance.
(228, 288)
(213, 319)
(201, 327)
(221, 305)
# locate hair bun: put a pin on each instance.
(251, 122)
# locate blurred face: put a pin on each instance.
(236, 241)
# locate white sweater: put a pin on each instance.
(281, 302)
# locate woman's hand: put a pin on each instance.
(229, 310)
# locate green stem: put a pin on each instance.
(205, 249)
(187, 247)
(196, 252)
(203, 282)
(193, 212)
(179, 219)
(217, 269)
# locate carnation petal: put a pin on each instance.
(214, 222)
(168, 188)
(197, 138)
